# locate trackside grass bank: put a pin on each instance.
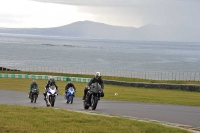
(21, 119)
(134, 94)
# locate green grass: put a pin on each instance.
(21, 119)
(106, 77)
(134, 94)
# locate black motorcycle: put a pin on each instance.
(93, 96)
(34, 95)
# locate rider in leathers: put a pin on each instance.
(34, 85)
(50, 82)
(70, 84)
(97, 78)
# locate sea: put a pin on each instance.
(98, 54)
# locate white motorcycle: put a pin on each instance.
(51, 96)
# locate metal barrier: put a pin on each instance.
(58, 78)
(178, 76)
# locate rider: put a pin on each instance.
(69, 84)
(33, 85)
(50, 82)
(96, 78)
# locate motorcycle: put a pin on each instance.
(51, 96)
(34, 95)
(69, 95)
(92, 98)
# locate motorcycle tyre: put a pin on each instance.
(35, 98)
(71, 99)
(32, 98)
(52, 101)
(95, 101)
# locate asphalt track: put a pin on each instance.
(176, 114)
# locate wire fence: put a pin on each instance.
(178, 76)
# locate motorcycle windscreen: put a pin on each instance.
(34, 90)
(53, 87)
(95, 87)
(71, 89)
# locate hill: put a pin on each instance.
(89, 29)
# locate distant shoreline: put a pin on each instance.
(7, 69)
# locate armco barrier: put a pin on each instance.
(46, 77)
(156, 85)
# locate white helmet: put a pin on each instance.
(51, 78)
(98, 75)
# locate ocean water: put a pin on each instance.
(136, 56)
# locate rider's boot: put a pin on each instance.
(44, 95)
(85, 92)
(83, 97)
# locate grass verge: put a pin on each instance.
(21, 119)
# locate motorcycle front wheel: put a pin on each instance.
(35, 98)
(71, 99)
(52, 101)
(94, 101)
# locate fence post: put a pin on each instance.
(175, 76)
(199, 76)
(167, 76)
(150, 77)
(187, 77)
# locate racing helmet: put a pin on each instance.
(51, 78)
(69, 82)
(98, 75)
(34, 81)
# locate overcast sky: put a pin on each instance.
(134, 13)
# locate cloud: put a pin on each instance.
(117, 3)
(26, 13)
(134, 13)
(92, 2)
(137, 13)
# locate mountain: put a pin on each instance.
(95, 30)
